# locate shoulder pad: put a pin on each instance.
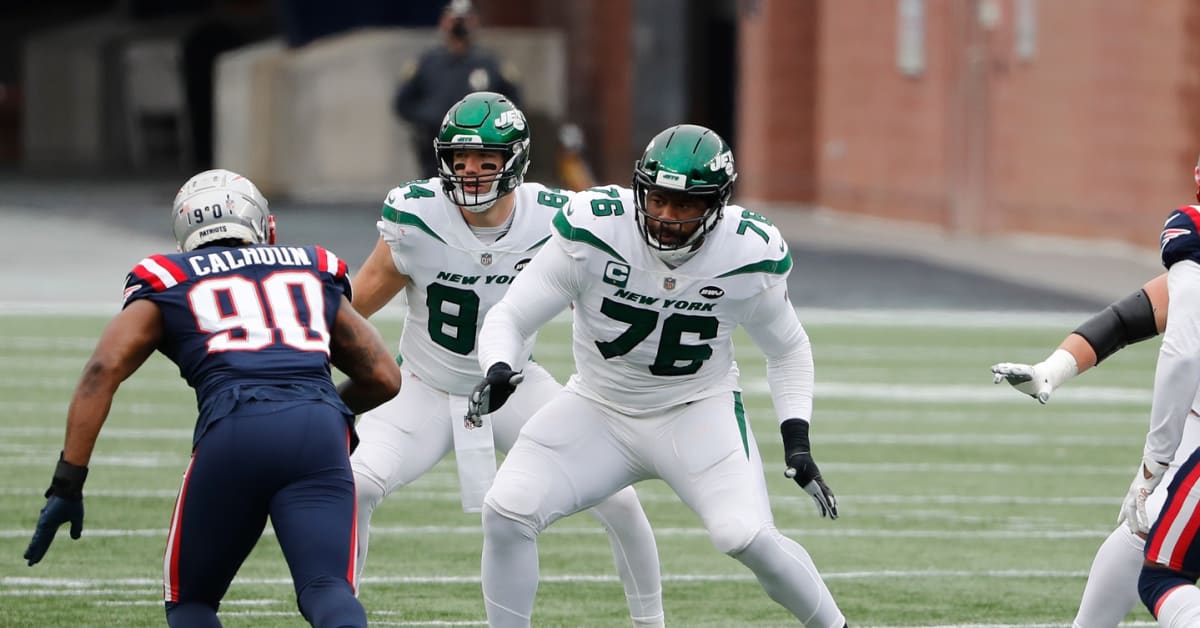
(594, 219)
(414, 204)
(156, 273)
(1180, 238)
(752, 244)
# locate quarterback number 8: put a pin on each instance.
(238, 319)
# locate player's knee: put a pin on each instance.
(1156, 582)
(370, 491)
(732, 535)
(518, 495)
(499, 527)
(329, 602)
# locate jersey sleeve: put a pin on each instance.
(755, 249)
(333, 269)
(543, 289)
(395, 227)
(776, 330)
(1180, 237)
(151, 276)
(579, 232)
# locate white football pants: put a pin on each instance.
(408, 435)
(574, 452)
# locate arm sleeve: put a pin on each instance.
(543, 289)
(775, 328)
(1177, 374)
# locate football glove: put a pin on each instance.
(1133, 510)
(492, 392)
(803, 469)
(1037, 380)
(64, 502)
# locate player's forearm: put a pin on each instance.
(378, 282)
(539, 293)
(88, 410)
(501, 337)
(1132, 319)
(1081, 350)
(776, 330)
(357, 349)
(791, 380)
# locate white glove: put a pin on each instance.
(1133, 510)
(1037, 380)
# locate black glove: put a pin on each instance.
(803, 469)
(64, 502)
(492, 392)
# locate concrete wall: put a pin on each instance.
(316, 123)
(72, 111)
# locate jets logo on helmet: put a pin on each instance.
(513, 118)
(482, 121)
(724, 161)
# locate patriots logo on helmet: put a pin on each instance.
(1171, 234)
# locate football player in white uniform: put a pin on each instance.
(659, 277)
(454, 245)
(1111, 591)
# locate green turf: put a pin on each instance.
(962, 502)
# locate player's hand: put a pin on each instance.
(492, 392)
(64, 503)
(1026, 378)
(803, 469)
(1133, 509)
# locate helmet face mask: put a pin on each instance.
(684, 160)
(218, 205)
(484, 121)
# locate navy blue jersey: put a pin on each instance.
(250, 322)
(1180, 237)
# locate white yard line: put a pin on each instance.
(663, 532)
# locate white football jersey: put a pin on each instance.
(646, 336)
(453, 277)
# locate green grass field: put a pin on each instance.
(963, 503)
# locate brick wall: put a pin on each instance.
(1095, 135)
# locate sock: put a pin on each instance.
(635, 554)
(510, 570)
(787, 573)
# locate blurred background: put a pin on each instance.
(972, 123)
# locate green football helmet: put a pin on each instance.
(695, 161)
(483, 121)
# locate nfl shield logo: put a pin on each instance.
(485, 259)
(669, 283)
